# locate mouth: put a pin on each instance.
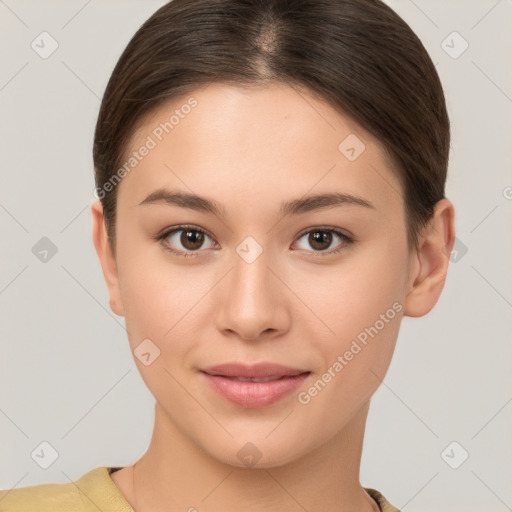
(259, 379)
(254, 386)
(266, 371)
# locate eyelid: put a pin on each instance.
(182, 227)
(347, 240)
(326, 228)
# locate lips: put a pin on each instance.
(256, 379)
(261, 372)
(254, 386)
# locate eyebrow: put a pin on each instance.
(296, 206)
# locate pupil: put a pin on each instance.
(316, 239)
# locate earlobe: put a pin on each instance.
(107, 259)
(433, 256)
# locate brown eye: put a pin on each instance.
(192, 239)
(185, 240)
(320, 240)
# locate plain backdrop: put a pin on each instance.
(439, 429)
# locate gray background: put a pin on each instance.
(67, 376)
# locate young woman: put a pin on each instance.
(270, 180)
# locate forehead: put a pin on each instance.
(275, 140)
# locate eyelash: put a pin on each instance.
(187, 254)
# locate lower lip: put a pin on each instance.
(254, 394)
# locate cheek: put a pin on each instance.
(350, 296)
(358, 308)
(161, 298)
(151, 295)
(156, 301)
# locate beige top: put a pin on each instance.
(93, 491)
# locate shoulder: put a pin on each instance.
(62, 497)
(52, 497)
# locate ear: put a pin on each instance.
(429, 270)
(106, 257)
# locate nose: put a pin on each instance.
(252, 300)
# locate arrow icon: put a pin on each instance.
(44, 44)
(247, 252)
(44, 455)
(454, 455)
(146, 352)
(351, 147)
(40, 456)
(454, 45)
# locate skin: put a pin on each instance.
(249, 150)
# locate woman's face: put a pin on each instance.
(260, 286)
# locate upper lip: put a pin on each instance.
(255, 370)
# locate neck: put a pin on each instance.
(174, 474)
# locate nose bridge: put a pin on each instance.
(251, 272)
(251, 302)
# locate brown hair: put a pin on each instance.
(358, 55)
